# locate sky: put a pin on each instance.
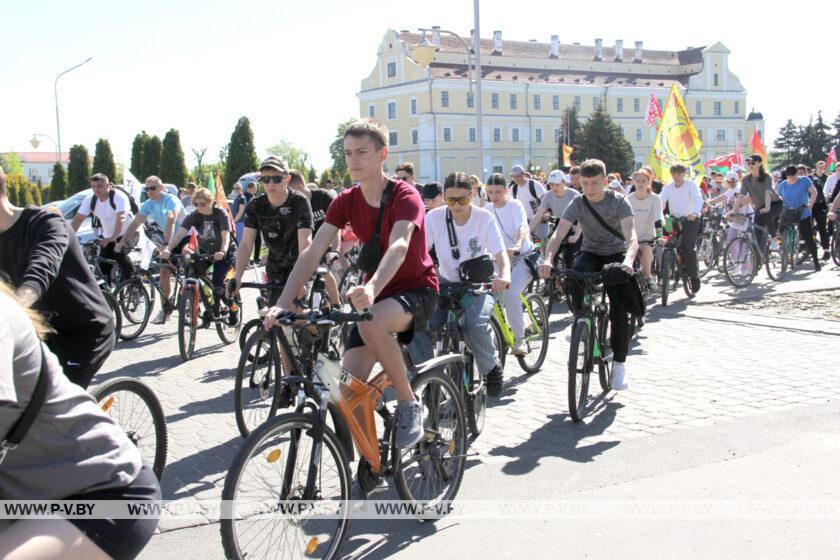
(294, 67)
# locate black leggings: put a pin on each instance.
(806, 234)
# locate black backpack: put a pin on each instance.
(531, 187)
(135, 209)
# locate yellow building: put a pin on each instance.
(526, 86)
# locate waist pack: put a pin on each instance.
(790, 216)
(478, 270)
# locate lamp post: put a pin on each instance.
(57, 120)
(34, 142)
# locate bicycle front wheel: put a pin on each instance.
(476, 399)
(228, 332)
(264, 511)
(835, 244)
(605, 365)
(255, 392)
(536, 334)
(498, 341)
(135, 307)
(187, 322)
(665, 276)
(704, 254)
(580, 358)
(739, 262)
(776, 264)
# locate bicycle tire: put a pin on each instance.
(704, 254)
(605, 365)
(579, 369)
(476, 399)
(186, 324)
(793, 249)
(245, 333)
(686, 282)
(835, 244)
(744, 247)
(130, 294)
(776, 262)
(141, 390)
(665, 276)
(115, 312)
(246, 372)
(227, 333)
(501, 345)
(539, 332)
(256, 447)
(435, 386)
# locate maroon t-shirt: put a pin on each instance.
(417, 270)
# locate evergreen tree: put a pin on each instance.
(136, 166)
(78, 170)
(37, 191)
(325, 176)
(26, 195)
(58, 184)
(12, 191)
(337, 150)
(815, 142)
(786, 145)
(172, 167)
(835, 138)
(240, 155)
(313, 176)
(348, 180)
(151, 158)
(11, 164)
(600, 137)
(103, 160)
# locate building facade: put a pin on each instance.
(527, 87)
(39, 165)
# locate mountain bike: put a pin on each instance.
(536, 332)
(672, 263)
(743, 256)
(787, 240)
(136, 297)
(710, 244)
(296, 462)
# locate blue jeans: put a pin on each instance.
(475, 325)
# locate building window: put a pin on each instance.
(717, 80)
(619, 105)
(392, 138)
(700, 135)
(737, 107)
(471, 135)
(414, 135)
(740, 135)
(497, 135)
(498, 169)
(470, 100)
(494, 101)
(371, 111)
(637, 105)
(513, 101)
(698, 108)
(720, 135)
(717, 108)
(444, 98)
(595, 102)
(577, 102)
(638, 135)
(447, 134)
(538, 134)
(555, 102)
(514, 134)
(392, 69)
(413, 106)
(392, 110)
(537, 103)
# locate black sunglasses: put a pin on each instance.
(150, 189)
(276, 179)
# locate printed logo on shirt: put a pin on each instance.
(474, 248)
(285, 211)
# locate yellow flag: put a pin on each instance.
(676, 141)
(567, 154)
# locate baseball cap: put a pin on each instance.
(517, 170)
(731, 176)
(616, 185)
(556, 177)
(273, 162)
(736, 168)
(567, 178)
(431, 190)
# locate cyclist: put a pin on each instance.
(684, 200)
(609, 236)
(647, 217)
(400, 285)
(41, 258)
(432, 196)
(167, 212)
(799, 194)
(477, 191)
(556, 200)
(529, 192)
(767, 203)
(728, 198)
(214, 236)
(513, 223)
(476, 236)
(820, 210)
(112, 209)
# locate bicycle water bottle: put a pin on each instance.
(208, 293)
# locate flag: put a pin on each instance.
(221, 200)
(739, 157)
(654, 114)
(676, 141)
(567, 154)
(193, 243)
(758, 148)
(211, 185)
(726, 160)
(831, 160)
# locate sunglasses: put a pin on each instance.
(150, 189)
(200, 204)
(276, 179)
(453, 200)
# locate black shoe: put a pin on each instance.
(826, 255)
(494, 382)
(817, 266)
(695, 284)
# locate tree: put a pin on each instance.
(58, 185)
(295, 157)
(11, 164)
(198, 171)
(37, 191)
(172, 167)
(312, 177)
(103, 160)
(136, 166)
(12, 191)
(815, 141)
(786, 146)
(325, 176)
(337, 149)
(240, 156)
(78, 170)
(151, 158)
(347, 181)
(835, 138)
(600, 137)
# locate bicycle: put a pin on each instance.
(536, 331)
(835, 244)
(638, 321)
(710, 244)
(672, 264)
(590, 342)
(788, 241)
(136, 301)
(198, 300)
(743, 256)
(268, 478)
(129, 402)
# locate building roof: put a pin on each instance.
(521, 75)
(42, 157)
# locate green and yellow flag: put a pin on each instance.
(676, 141)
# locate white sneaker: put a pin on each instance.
(519, 348)
(619, 376)
(160, 318)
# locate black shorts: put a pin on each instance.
(279, 276)
(82, 353)
(122, 538)
(420, 304)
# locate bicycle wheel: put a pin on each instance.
(605, 365)
(135, 307)
(776, 260)
(580, 356)
(115, 312)
(739, 262)
(245, 333)
(135, 407)
(665, 276)
(265, 483)
(476, 398)
(255, 392)
(704, 254)
(687, 288)
(536, 334)
(793, 247)
(431, 471)
(835, 244)
(227, 332)
(498, 341)
(187, 322)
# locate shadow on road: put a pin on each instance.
(197, 471)
(389, 537)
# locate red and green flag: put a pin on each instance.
(831, 160)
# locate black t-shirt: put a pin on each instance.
(279, 227)
(41, 251)
(320, 202)
(208, 229)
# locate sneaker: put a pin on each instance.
(409, 417)
(494, 382)
(619, 376)
(519, 348)
(817, 266)
(651, 285)
(161, 317)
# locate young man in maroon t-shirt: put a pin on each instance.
(402, 292)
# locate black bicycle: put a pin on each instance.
(672, 264)
(136, 296)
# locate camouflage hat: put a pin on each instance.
(273, 162)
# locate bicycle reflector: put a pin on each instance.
(273, 456)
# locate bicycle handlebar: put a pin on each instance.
(575, 275)
(319, 317)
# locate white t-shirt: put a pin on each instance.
(523, 195)
(745, 209)
(646, 212)
(108, 215)
(510, 218)
(479, 236)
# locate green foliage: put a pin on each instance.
(37, 190)
(78, 170)
(786, 146)
(835, 138)
(12, 190)
(600, 137)
(172, 167)
(103, 160)
(197, 174)
(312, 177)
(19, 190)
(816, 141)
(58, 185)
(136, 166)
(151, 158)
(339, 166)
(10, 162)
(295, 157)
(347, 181)
(325, 176)
(240, 156)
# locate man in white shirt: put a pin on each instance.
(112, 209)
(685, 200)
(831, 183)
(530, 193)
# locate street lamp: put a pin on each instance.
(35, 143)
(57, 120)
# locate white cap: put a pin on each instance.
(556, 177)
(731, 176)
(777, 174)
(568, 179)
(615, 184)
(737, 168)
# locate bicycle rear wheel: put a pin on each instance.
(776, 258)
(255, 392)
(739, 262)
(227, 332)
(665, 276)
(267, 476)
(137, 410)
(536, 334)
(187, 322)
(135, 306)
(580, 357)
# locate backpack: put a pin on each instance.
(135, 209)
(531, 187)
